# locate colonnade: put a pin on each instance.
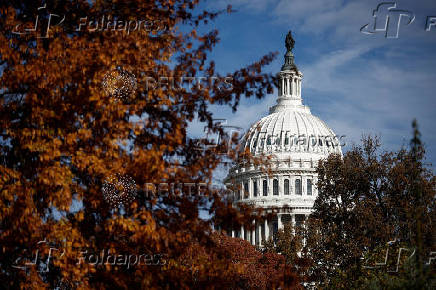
(266, 229)
(291, 86)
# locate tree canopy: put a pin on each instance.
(89, 110)
(371, 204)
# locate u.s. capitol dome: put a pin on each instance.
(295, 140)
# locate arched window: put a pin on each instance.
(254, 188)
(246, 193)
(313, 141)
(309, 187)
(286, 186)
(298, 190)
(265, 188)
(275, 187)
(278, 141)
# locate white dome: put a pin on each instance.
(291, 129)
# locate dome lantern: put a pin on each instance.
(289, 81)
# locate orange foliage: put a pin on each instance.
(62, 136)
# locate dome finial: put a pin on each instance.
(289, 56)
(289, 42)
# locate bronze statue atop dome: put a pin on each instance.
(289, 56)
(289, 42)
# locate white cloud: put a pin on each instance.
(357, 83)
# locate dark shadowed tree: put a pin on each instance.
(248, 267)
(367, 199)
(289, 242)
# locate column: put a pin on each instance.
(290, 86)
(299, 87)
(279, 221)
(253, 234)
(250, 188)
(233, 233)
(293, 223)
(266, 230)
(295, 87)
(283, 86)
(259, 231)
(242, 233)
(242, 190)
(305, 227)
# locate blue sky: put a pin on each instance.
(357, 83)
